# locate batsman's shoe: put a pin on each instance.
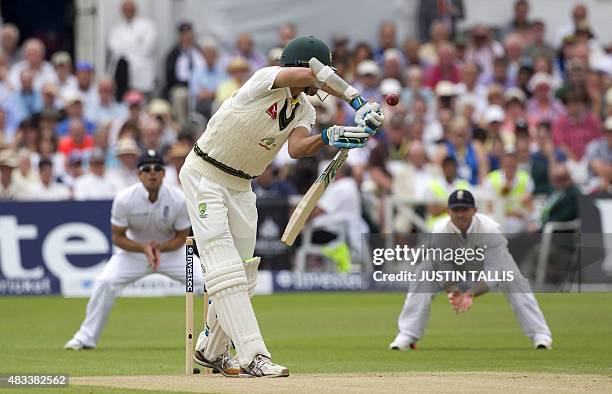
(75, 344)
(402, 343)
(262, 366)
(224, 364)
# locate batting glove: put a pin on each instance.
(347, 137)
(370, 117)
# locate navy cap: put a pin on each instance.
(150, 156)
(461, 198)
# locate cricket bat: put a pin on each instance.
(309, 201)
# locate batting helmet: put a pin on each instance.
(300, 50)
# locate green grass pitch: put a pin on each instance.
(313, 333)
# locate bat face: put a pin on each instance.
(309, 201)
(332, 168)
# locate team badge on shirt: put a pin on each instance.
(202, 210)
(267, 143)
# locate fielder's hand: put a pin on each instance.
(370, 117)
(460, 302)
(347, 137)
(151, 250)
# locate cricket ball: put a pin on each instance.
(392, 99)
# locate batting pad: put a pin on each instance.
(213, 341)
(251, 265)
(227, 287)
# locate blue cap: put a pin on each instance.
(461, 199)
(84, 66)
(150, 156)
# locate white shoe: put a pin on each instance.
(402, 343)
(75, 344)
(544, 343)
(225, 364)
(262, 366)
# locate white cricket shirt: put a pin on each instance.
(147, 221)
(250, 128)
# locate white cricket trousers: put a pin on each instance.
(415, 313)
(224, 223)
(122, 269)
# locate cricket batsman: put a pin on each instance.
(240, 141)
(464, 228)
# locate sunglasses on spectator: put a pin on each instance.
(151, 167)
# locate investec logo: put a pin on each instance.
(189, 270)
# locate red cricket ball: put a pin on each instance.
(392, 99)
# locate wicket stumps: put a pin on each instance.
(189, 245)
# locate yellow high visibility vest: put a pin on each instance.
(441, 194)
(518, 191)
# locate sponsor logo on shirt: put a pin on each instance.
(202, 210)
(272, 111)
(166, 212)
(267, 143)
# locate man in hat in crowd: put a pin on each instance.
(127, 153)
(239, 70)
(74, 104)
(10, 187)
(86, 86)
(62, 63)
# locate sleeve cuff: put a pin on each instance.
(357, 102)
(118, 223)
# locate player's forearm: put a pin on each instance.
(341, 96)
(172, 244)
(305, 146)
(128, 245)
(479, 289)
(331, 83)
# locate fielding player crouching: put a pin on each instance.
(149, 224)
(467, 229)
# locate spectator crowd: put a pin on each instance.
(499, 110)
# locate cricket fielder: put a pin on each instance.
(241, 140)
(464, 228)
(149, 224)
